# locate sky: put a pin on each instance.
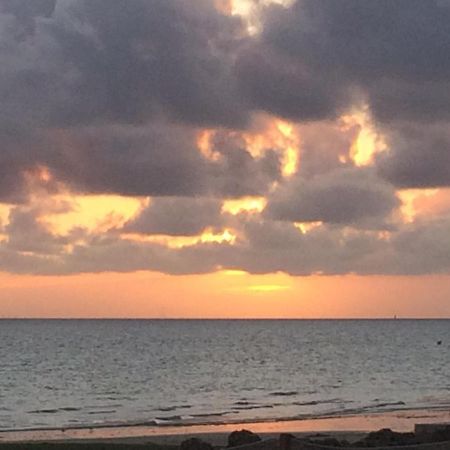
(224, 158)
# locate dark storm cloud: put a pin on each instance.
(236, 173)
(419, 156)
(159, 159)
(110, 95)
(396, 52)
(287, 87)
(152, 160)
(391, 54)
(97, 61)
(18, 154)
(26, 11)
(176, 217)
(106, 87)
(344, 196)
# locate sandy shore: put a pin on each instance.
(350, 427)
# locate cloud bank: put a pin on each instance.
(327, 114)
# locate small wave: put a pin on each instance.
(320, 402)
(284, 393)
(104, 411)
(169, 418)
(112, 405)
(173, 408)
(218, 414)
(70, 408)
(249, 407)
(43, 411)
(383, 405)
(161, 422)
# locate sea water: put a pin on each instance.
(74, 373)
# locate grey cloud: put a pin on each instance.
(99, 61)
(96, 61)
(91, 76)
(237, 173)
(324, 145)
(393, 52)
(424, 102)
(366, 40)
(287, 87)
(423, 247)
(344, 196)
(26, 234)
(270, 246)
(28, 10)
(152, 160)
(106, 253)
(177, 217)
(418, 157)
(156, 160)
(25, 12)
(18, 155)
(110, 94)
(263, 247)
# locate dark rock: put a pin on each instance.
(242, 437)
(440, 435)
(195, 444)
(285, 439)
(386, 437)
(330, 442)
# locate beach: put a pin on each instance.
(350, 428)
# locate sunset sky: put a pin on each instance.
(224, 158)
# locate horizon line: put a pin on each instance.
(393, 318)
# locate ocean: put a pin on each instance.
(92, 373)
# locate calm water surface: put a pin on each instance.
(65, 373)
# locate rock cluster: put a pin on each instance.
(381, 438)
(195, 444)
(235, 439)
(242, 437)
(388, 438)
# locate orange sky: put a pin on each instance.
(223, 295)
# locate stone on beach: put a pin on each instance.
(386, 437)
(195, 444)
(433, 432)
(242, 437)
